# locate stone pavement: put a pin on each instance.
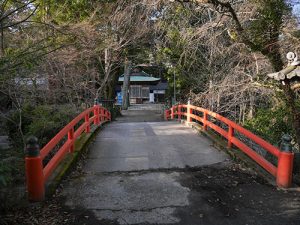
(132, 171)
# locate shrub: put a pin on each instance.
(5, 170)
(271, 124)
(42, 121)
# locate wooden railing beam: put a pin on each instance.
(283, 172)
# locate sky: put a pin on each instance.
(296, 8)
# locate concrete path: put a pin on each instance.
(131, 174)
(142, 113)
(150, 145)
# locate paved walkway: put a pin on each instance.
(142, 113)
(131, 173)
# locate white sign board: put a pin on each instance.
(159, 91)
(151, 97)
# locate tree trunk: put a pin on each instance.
(290, 97)
(2, 41)
(107, 71)
(295, 114)
(126, 84)
(112, 84)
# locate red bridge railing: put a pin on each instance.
(37, 174)
(282, 172)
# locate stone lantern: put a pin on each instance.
(291, 72)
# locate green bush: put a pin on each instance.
(115, 112)
(4, 171)
(271, 124)
(42, 121)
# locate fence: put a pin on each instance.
(283, 170)
(107, 103)
(36, 173)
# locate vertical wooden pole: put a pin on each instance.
(172, 113)
(179, 112)
(86, 120)
(71, 139)
(205, 120)
(230, 136)
(189, 112)
(285, 163)
(34, 171)
(166, 114)
(96, 113)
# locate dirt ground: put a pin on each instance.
(235, 196)
(220, 194)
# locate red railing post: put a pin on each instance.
(189, 112)
(96, 113)
(166, 114)
(100, 113)
(230, 136)
(34, 171)
(86, 120)
(285, 163)
(71, 138)
(205, 120)
(172, 113)
(179, 112)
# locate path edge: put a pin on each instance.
(234, 153)
(69, 162)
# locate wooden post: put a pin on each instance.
(96, 113)
(86, 120)
(179, 113)
(166, 114)
(189, 112)
(34, 171)
(71, 139)
(285, 163)
(100, 114)
(172, 113)
(205, 120)
(230, 136)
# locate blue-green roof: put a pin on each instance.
(140, 78)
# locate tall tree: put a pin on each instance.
(259, 30)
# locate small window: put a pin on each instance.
(135, 91)
(145, 92)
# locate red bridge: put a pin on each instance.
(37, 174)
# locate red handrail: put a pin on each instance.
(283, 172)
(36, 174)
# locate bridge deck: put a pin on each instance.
(149, 145)
(128, 176)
